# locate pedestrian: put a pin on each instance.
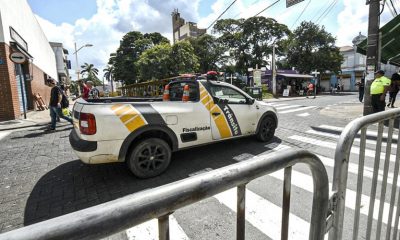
(310, 89)
(55, 105)
(337, 86)
(393, 89)
(360, 86)
(93, 91)
(379, 88)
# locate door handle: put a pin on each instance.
(216, 113)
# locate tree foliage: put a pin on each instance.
(109, 75)
(90, 73)
(249, 41)
(163, 61)
(209, 52)
(310, 47)
(133, 44)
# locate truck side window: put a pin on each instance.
(176, 91)
(223, 94)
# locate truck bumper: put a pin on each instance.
(92, 152)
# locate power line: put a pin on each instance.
(390, 9)
(319, 20)
(222, 14)
(301, 14)
(266, 8)
(320, 10)
(249, 6)
(394, 9)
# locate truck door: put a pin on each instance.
(232, 114)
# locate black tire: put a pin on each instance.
(149, 158)
(267, 129)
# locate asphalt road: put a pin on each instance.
(41, 178)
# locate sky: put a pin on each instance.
(103, 23)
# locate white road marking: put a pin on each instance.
(264, 215)
(149, 230)
(276, 105)
(336, 136)
(286, 107)
(355, 150)
(296, 110)
(369, 133)
(303, 114)
(4, 134)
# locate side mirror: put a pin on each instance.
(250, 101)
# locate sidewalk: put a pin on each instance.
(321, 94)
(33, 118)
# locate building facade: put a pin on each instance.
(352, 68)
(182, 30)
(62, 63)
(22, 39)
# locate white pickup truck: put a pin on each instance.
(144, 132)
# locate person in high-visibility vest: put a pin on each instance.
(379, 88)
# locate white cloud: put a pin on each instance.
(113, 19)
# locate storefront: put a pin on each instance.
(26, 60)
(287, 79)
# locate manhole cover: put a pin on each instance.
(10, 122)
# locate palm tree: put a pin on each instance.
(91, 73)
(109, 75)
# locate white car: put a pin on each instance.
(144, 131)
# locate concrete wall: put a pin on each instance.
(18, 15)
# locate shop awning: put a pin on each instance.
(291, 75)
(390, 45)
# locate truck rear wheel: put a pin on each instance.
(149, 158)
(267, 129)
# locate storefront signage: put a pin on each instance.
(285, 92)
(18, 39)
(17, 57)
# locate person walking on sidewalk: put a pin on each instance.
(360, 86)
(393, 89)
(379, 88)
(56, 96)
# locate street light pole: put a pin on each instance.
(273, 70)
(77, 63)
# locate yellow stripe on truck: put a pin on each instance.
(220, 120)
(129, 116)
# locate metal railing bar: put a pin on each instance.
(393, 192)
(241, 212)
(163, 227)
(396, 221)
(359, 182)
(374, 181)
(384, 179)
(339, 183)
(117, 215)
(286, 203)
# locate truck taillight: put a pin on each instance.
(87, 123)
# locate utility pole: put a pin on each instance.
(273, 70)
(372, 51)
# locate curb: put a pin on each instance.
(24, 126)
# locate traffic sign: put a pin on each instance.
(17, 57)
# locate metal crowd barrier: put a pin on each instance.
(339, 185)
(117, 215)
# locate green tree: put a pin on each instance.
(155, 63)
(310, 47)
(90, 73)
(249, 42)
(183, 58)
(133, 44)
(209, 52)
(109, 74)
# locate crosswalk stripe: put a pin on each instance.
(355, 150)
(276, 105)
(336, 136)
(264, 215)
(296, 110)
(286, 107)
(369, 132)
(149, 230)
(303, 114)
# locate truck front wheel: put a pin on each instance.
(267, 129)
(149, 158)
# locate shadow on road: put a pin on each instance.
(73, 186)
